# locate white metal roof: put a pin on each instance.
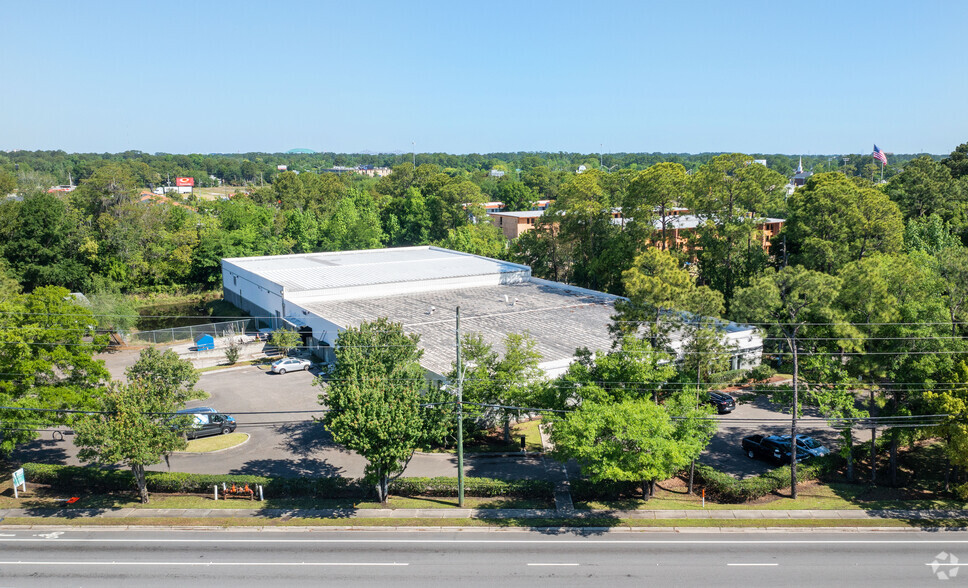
(373, 267)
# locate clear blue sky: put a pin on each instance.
(214, 76)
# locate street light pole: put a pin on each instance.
(460, 421)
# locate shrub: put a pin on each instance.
(961, 492)
(726, 488)
(760, 372)
(91, 479)
(728, 377)
(477, 487)
(582, 490)
(232, 352)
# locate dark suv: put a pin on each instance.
(724, 403)
(207, 422)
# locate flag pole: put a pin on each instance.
(882, 171)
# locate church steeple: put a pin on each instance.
(800, 167)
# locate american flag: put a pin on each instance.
(879, 155)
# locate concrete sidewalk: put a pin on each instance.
(460, 513)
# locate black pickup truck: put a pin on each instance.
(770, 447)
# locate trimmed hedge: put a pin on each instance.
(726, 488)
(476, 487)
(91, 479)
(582, 490)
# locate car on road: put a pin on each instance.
(290, 364)
(723, 402)
(771, 447)
(809, 445)
(207, 421)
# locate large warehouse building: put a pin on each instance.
(319, 294)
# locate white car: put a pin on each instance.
(290, 364)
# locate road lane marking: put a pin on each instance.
(752, 564)
(196, 563)
(939, 564)
(553, 564)
(733, 542)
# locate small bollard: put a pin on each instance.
(216, 491)
(704, 498)
(523, 442)
(260, 493)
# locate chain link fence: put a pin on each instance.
(191, 332)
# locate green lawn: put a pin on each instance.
(216, 442)
(466, 522)
(196, 501)
(493, 442)
(814, 496)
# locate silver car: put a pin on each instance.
(290, 364)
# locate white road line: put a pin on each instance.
(939, 564)
(732, 542)
(553, 564)
(194, 563)
(752, 564)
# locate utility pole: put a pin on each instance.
(460, 421)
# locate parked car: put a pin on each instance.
(723, 402)
(207, 421)
(290, 364)
(771, 447)
(808, 445)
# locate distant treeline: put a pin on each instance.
(40, 168)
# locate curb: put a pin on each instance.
(244, 441)
(545, 530)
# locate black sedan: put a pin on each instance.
(724, 403)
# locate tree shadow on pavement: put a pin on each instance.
(288, 468)
(42, 451)
(305, 438)
(576, 524)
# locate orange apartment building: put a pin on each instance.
(514, 224)
(681, 227)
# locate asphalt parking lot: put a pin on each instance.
(280, 412)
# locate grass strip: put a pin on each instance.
(550, 523)
(215, 443)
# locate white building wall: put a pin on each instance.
(397, 288)
(252, 293)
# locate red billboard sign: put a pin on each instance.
(185, 182)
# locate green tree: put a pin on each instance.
(627, 441)
(8, 183)
(503, 380)
(652, 192)
(833, 222)
(480, 239)
(633, 370)
(790, 299)
(374, 398)
(833, 391)
(694, 425)
(164, 370)
(926, 187)
(285, 340)
(43, 248)
(115, 312)
(47, 348)
(728, 193)
(957, 161)
(136, 428)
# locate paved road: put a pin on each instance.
(58, 557)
